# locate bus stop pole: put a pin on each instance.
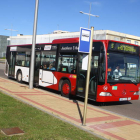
(88, 76)
(33, 47)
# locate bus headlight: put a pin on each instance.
(136, 93)
(105, 94)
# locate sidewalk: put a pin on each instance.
(2, 60)
(102, 123)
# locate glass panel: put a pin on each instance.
(128, 41)
(82, 74)
(48, 59)
(20, 58)
(102, 68)
(37, 60)
(27, 59)
(136, 42)
(93, 75)
(67, 63)
(123, 68)
(37, 66)
(12, 63)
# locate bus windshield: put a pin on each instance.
(123, 68)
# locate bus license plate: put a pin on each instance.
(123, 99)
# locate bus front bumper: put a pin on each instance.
(116, 99)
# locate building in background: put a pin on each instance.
(98, 35)
(112, 35)
(3, 45)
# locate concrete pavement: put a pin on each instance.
(104, 124)
(2, 60)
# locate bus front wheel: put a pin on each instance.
(19, 77)
(65, 88)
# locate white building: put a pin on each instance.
(98, 35)
(3, 45)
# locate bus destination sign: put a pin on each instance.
(69, 47)
(120, 47)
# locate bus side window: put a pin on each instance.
(20, 59)
(67, 63)
(27, 63)
(27, 59)
(47, 58)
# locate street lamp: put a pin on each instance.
(89, 14)
(11, 34)
(11, 31)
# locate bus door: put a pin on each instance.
(12, 64)
(36, 68)
(47, 68)
(82, 75)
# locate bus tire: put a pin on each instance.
(65, 89)
(19, 76)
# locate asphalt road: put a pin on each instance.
(130, 109)
(2, 67)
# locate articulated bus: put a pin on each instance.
(114, 73)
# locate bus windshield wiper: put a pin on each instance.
(133, 82)
(113, 84)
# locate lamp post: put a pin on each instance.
(11, 33)
(33, 47)
(11, 30)
(89, 14)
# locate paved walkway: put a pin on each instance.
(2, 60)
(103, 123)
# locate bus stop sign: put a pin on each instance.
(84, 40)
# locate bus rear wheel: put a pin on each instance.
(19, 77)
(65, 88)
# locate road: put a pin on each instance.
(2, 67)
(130, 109)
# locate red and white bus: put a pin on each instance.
(114, 75)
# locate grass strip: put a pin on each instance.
(36, 124)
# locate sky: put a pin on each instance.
(116, 15)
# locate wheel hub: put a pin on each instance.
(66, 89)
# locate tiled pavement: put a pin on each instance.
(103, 123)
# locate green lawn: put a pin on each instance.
(36, 124)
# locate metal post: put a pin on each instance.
(88, 76)
(33, 47)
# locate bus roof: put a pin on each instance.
(70, 40)
(66, 40)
